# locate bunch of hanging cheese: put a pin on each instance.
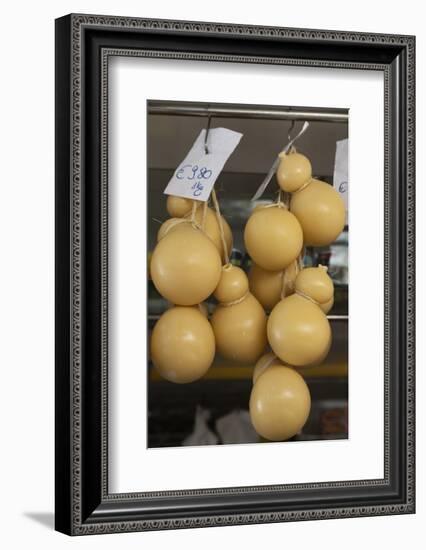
(190, 263)
(298, 330)
(239, 321)
(185, 268)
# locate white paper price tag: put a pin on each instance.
(196, 174)
(340, 178)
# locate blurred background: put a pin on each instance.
(214, 410)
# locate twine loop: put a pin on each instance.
(277, 204)
(173, 224)
(304, 186)
(303, 295)
(235, 302)
(271, 360)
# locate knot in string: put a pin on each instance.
(172, 224)
(235, 302)
(270, 361)
(303, 295)
(277, 204)
(304, 186)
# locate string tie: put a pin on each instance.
(304, 186)
(303, 295)
(235, 302)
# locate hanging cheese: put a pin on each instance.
(293, 171)
(280, 403)
(182, 345)
(265, 285)
(240, 330)
(320, 211)
(185, 266)
(315, 283)
(273, 237)
(233, 284)
(178, 207)
(298, 331)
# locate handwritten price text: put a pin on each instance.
(190, 172)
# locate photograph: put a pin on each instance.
(211, 243)
(248, 247)
(235, 284)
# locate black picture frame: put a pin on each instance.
(83, 46)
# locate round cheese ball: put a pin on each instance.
(273, 238)
(265, 285)
(294, 170)
(182, 345)
(178, 207)
(320, 211)
(298, 331)
(233, 284)
(240, 330)
(185, 266)
(280, 403)
(315, 283)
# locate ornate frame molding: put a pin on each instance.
(73, 47)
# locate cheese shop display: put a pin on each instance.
(245, 311)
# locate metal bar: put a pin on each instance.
(241, 111)
(155, 317)
(338, 317)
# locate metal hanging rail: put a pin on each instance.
(222, 110)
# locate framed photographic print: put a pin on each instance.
(234, 274)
